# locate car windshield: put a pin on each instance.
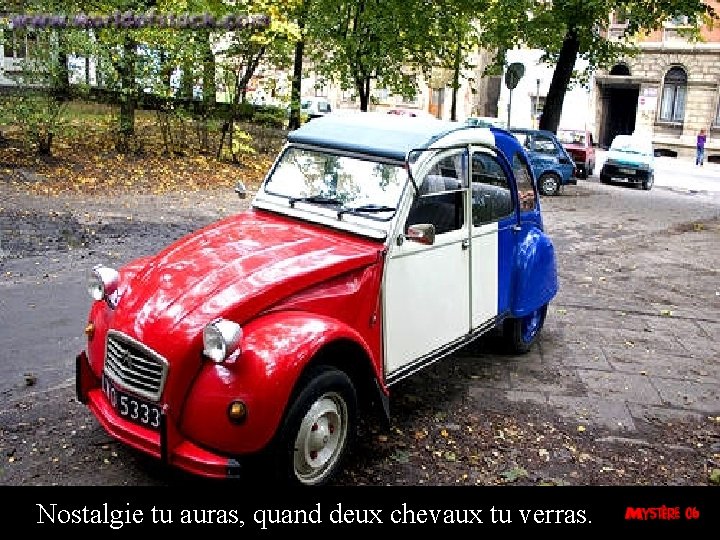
(630, 145)
(347, 184)
(571, 137)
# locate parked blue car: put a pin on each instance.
(552, 165)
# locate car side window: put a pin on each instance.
(491, 196)
(545, 145)
(440, 201)
(524, 181)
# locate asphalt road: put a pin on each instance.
(631, 336)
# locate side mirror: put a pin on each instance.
(422, 233)
(240, 190)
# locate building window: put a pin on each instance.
(620, 16)
(18, 44)
(620, 69)
(679, 20)
(672, 107)
(716, 121)
(537, 105)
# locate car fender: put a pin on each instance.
(535, 271)
(274, 351)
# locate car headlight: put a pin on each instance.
(103, 284)
(220, 339)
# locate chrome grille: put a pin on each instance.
(134, 366)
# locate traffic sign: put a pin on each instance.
(513, 74)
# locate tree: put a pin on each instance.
(356, 42)
(457, 34)
(570, 29)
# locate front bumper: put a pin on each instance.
(166, 444)
(625, 174)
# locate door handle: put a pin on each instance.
(465, 244)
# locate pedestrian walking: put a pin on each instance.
(700, 148)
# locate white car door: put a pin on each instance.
(493, 218)
(426, 290)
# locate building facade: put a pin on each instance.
(670, 90)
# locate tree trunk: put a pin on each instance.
(128, 97)
(363, 88)
(550, 118)
(187, 80)
(456, 82)
(45, 144)
(209, 86)
(296, 92)
(62, 81)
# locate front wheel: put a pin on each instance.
(520, 334)
(549, 184)
(319, 428)
(648, 184)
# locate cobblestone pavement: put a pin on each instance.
(632, 336)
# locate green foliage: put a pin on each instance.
(39, 112)
(39, 116)
(241, 143)
(388, 42)
(270, 116)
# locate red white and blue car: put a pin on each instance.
(375, 246)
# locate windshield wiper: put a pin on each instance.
(316, 199)
(369, 208)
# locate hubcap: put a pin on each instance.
(321, 438)
(549, 184)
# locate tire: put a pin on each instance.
(520, 334)
(604, 179)
(318, 430)
(648, 184)
(549, 184)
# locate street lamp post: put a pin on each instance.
(537, 104)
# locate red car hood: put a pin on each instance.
(234, 268)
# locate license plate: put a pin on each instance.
(129, 407)
(620, 179)
(626, 171)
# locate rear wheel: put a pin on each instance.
(549, 184)
(520, 334)
(319, 428)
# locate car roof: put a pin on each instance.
(384, 135)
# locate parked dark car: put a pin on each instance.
(579, 144)
(631, 161)
(551, 163)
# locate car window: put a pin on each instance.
(524, 181)
(523, 137)
(631, 145)
(544, 145)
(491, 195)
(565, 137)
(440, 201)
